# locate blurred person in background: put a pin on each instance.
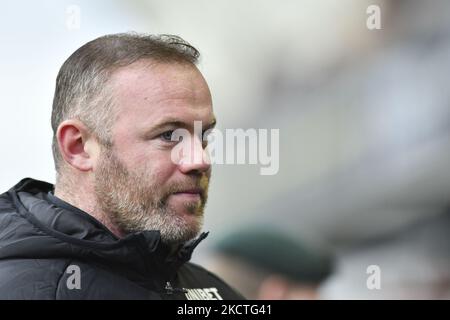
(269, 265)
(378, 124)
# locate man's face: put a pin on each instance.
(137, 182)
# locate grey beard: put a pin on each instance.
(132, 208)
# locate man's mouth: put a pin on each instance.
(190, 194)
(191, 191)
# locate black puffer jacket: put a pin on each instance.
(52, 250)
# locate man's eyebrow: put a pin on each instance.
(181, 124)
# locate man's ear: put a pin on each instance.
(77, 145)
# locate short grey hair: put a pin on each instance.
(82, 90)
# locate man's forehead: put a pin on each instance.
(150, 95)
(154, 81)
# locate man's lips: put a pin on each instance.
(191, 191)
(190, 194)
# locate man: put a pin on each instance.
(122, 219)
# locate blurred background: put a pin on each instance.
(364, 120)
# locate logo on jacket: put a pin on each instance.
(203, 294)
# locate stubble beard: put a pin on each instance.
(133, 203)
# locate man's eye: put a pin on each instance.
(167, 136)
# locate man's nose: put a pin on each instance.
(195, 158)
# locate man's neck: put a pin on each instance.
(87, 203)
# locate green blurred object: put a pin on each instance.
(276, 253)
